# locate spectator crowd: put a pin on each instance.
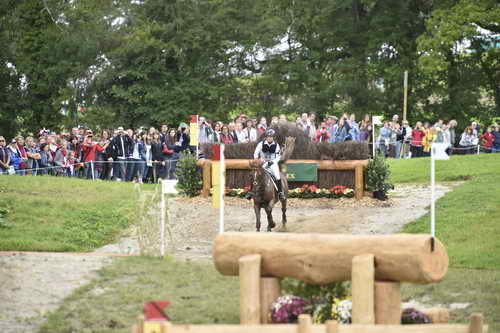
(144, 155)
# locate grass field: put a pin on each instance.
(467, 223)
(62, 214)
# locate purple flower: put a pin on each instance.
(286, 309)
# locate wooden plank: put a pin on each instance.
(332, 326)
(249, 272)
(387, 303)
(322, 164)
(363, 280)
(325, 258)
(359, 182)
(270, 290)
(353, 328)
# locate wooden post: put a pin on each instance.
(140, 324)
(359, 182)
(305, 324)
(270, 290)
(332, 326)
(363, 280)
(387, 303)
(476, 323)
(207, 178)
(249, 272)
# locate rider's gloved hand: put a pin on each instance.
(269, 163)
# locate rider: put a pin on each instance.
(269, 151)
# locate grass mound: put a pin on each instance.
(63, 214)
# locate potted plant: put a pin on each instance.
(377, 175)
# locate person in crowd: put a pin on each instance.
(452, 124)
(343, 130)
(163, 133)
(468, 141)
(148, 168)
(332, 127)
(216, 139)
(121, 146)
(262, 126)
(182, 136)
(60, 161)
(322, 134)
(46, 160)
(496, 139)
(4, 157)
(71, 163)
(15, 157)
(226, 137)
(354, 132)
(308, 126)
(487, 139)
(135, 167)
(475, 128)
(385, 138)
(282, 119)
(205, 131)
(365, 133)
(417, 135)
(33, 153)
(23, 154)
(430, 137)
(232, 132)
(106, 156)
(158, 157)
(400, 133)
(251, 132)
(269, 152)
(171, 153)
(274, 121)
(407, 131)
(89, 151)
(241, 134)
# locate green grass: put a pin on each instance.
(458, 167)
(479, 288)
(62, 214)
(112, 302)
(466, 218)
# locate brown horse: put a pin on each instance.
(266, 195)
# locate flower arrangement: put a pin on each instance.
(286, 309)
(342, 310)
(413, 316)
(304, 192)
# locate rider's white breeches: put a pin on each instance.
(274, 170)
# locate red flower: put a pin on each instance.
(247, 188)
(313, 188)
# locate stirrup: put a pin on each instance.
(281, 196)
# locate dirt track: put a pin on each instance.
(33, 284)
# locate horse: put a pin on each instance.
(266, 196)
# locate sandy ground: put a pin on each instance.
(33, 284)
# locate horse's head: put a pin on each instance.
(258, 170)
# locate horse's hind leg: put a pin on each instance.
(270, 222)
(283, 213)
(257, 216)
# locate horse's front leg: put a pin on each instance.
(269, 212)
(257, 216)
(283, 213)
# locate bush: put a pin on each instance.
(188, 175)
(377, 174)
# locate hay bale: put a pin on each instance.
(304, 149)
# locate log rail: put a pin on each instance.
(243, 164)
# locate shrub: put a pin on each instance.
(412, 316)
(188, 175)
(377, 174)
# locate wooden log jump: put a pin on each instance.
(305, 326)
(321, 258)
(243, 164)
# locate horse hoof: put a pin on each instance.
(271, 225)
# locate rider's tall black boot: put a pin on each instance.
(281, 195)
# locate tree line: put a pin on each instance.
(105, 62)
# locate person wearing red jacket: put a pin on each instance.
(417, 135)
(322, 134)
(487, 139)
(89, 151)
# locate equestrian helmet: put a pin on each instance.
(270, 132)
